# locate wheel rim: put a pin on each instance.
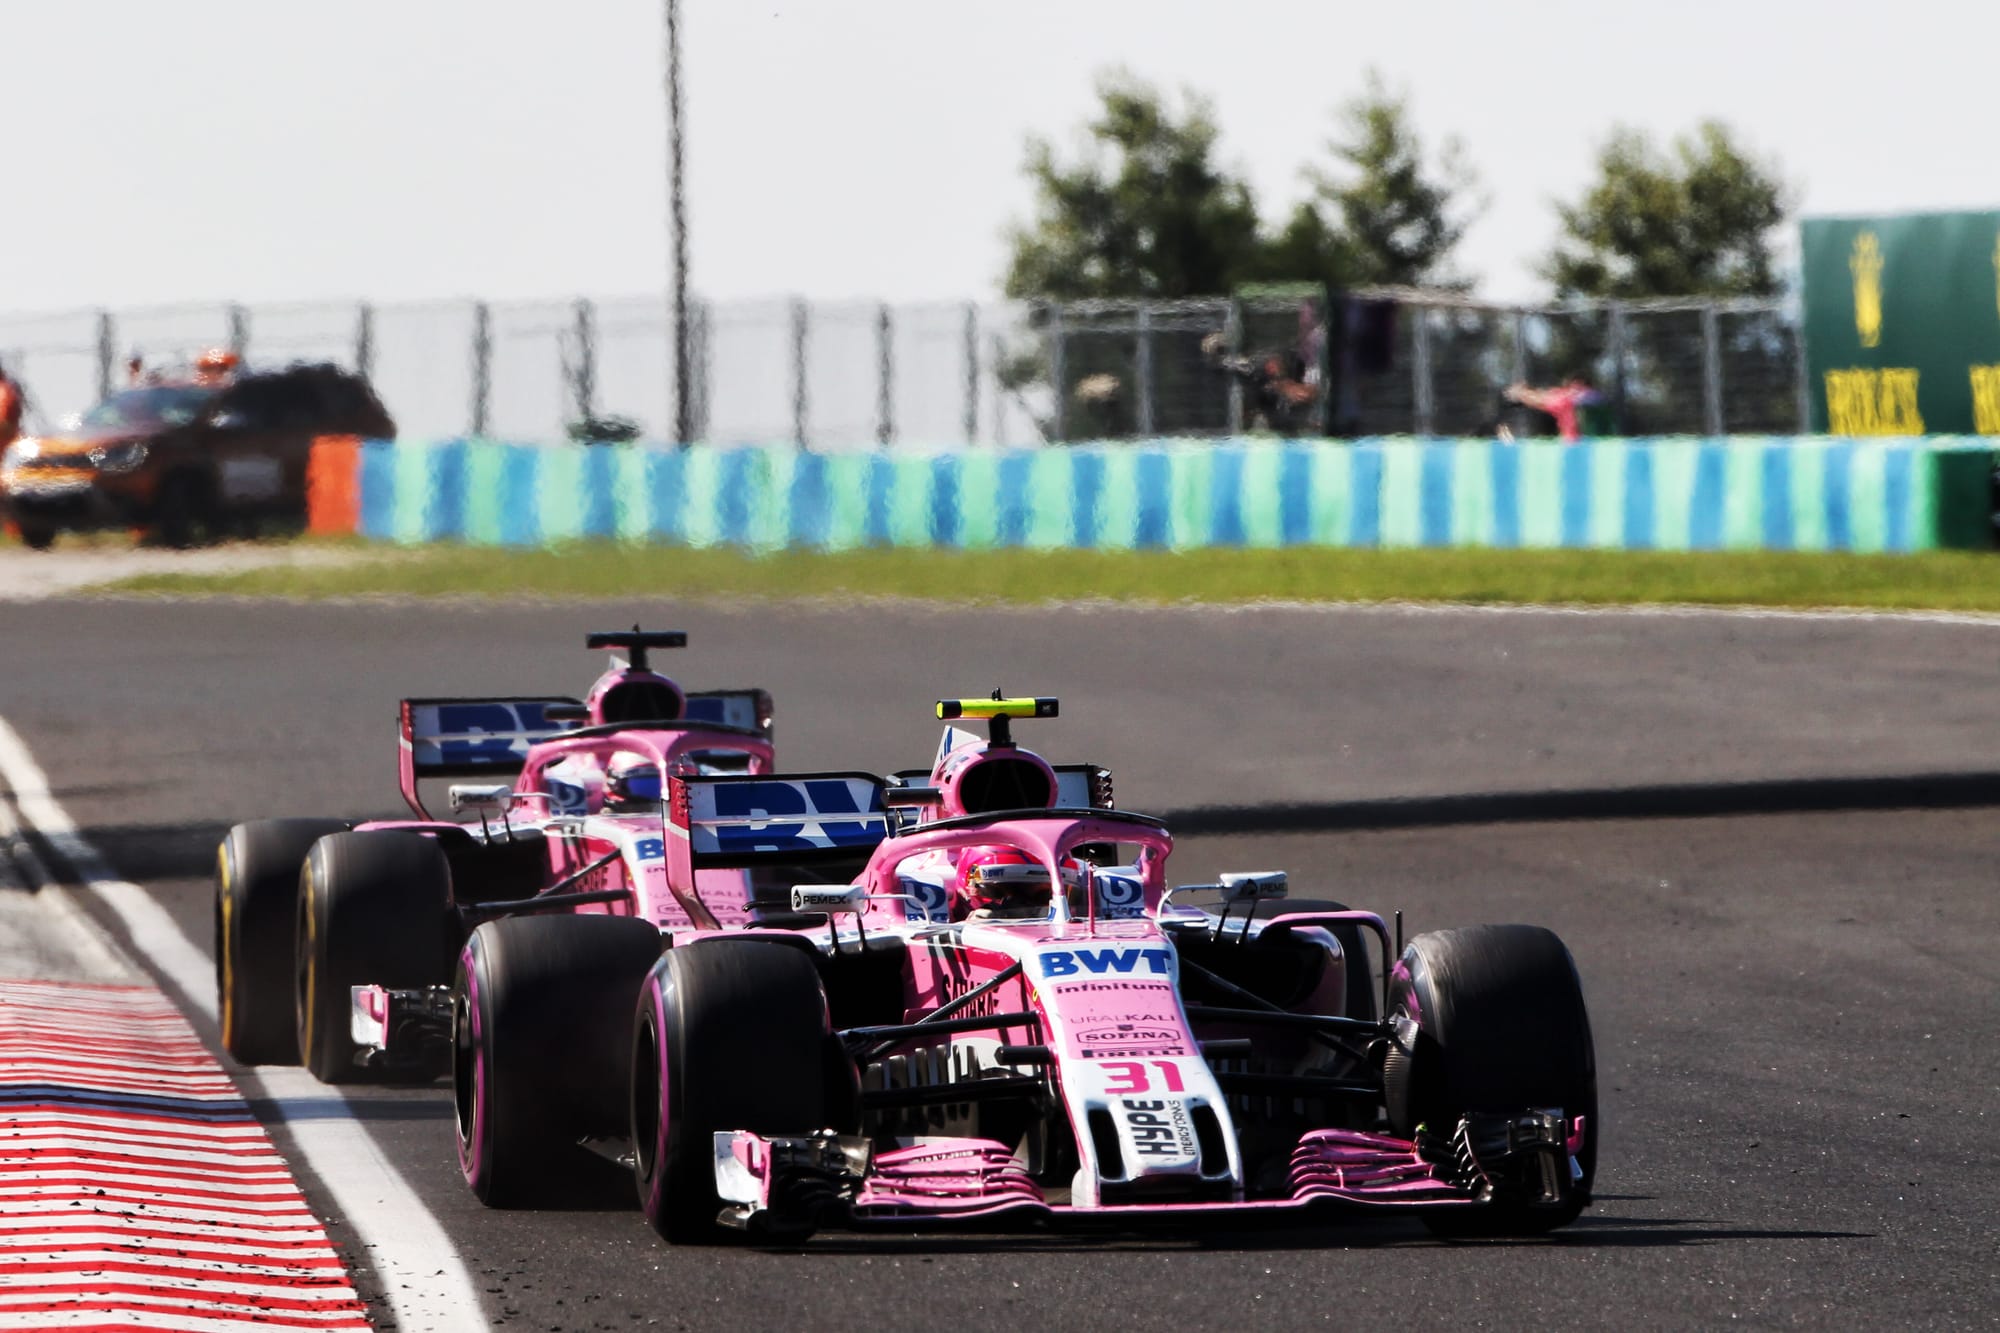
(303, 970)
(649, 1094)
(468, 1075)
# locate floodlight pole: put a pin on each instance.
(677, 205)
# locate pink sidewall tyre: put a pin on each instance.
(730, 1034)
(541, 1035)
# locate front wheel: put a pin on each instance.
(37, 536)
(730, 1035)
(1491, 1019)
(374, 909)
(542, 1013)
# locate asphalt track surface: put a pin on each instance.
(1772, 844)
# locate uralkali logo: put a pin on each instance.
(1118, 961)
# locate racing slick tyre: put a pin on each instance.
(374, 909)
(1491, 1019)
(730, 1035)
(38, 536)
(256, 896)
(541, 1018)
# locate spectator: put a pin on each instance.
(12, 402)
(1565, 403)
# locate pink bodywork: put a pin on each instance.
(1084, 975)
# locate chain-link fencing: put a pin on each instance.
(1286, 360)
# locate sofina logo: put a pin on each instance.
(1866, 266)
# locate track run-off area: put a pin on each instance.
(1771, 841)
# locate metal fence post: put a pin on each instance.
(482, 366)
(1058, 375)
(1615, 340)
(972, 372)
(107, 352)
(1145, 358)
(1422, 389)
(701, 353)
(364, 341)
(885, 392)
(996, 351)
(801, 328)
(239, 329)
(586, 360)
(1802, 382)
(1233, 340)
(1711, 371)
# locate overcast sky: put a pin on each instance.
(265, 150)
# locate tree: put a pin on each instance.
(1693, 221)
(1146, 212)
(1400, 217)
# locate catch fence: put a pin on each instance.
(865, 375)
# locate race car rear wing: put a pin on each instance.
(472, 738)
(747, 709)
(790, 819)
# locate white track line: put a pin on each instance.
(416, 1265)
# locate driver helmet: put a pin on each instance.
(631, 781)
(1000, 882)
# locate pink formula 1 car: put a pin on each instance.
(335, 943)
(1009, 1016)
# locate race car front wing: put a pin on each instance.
(785, 1184)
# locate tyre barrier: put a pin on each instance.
(1777, 493)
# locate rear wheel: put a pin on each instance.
(256, 898)
(1491, 1019)
(542, 1013)
(373, 909)
(37, 536)
(730, 1035)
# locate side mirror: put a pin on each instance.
(1257, 886)
(488, 799)
(892, 797)
(566, 713)
(834, 899)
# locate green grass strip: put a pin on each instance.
(1946, 580)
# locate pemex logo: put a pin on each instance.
(1866, 266)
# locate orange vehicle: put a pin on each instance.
(187, 461)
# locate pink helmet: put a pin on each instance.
(1001, 880)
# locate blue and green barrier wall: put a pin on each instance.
(1813, 494)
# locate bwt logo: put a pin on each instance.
(1104, 962)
